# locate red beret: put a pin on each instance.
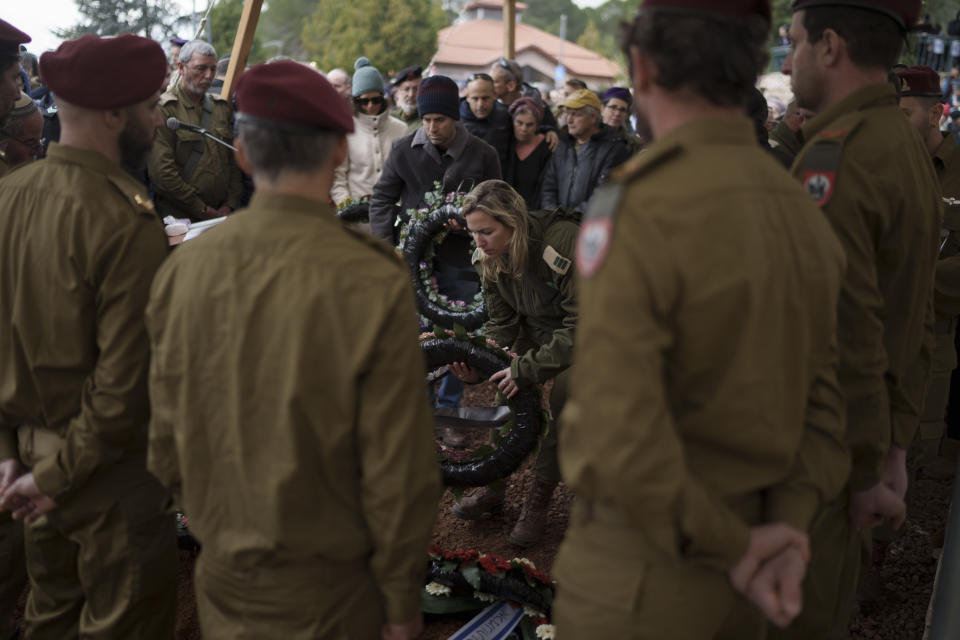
(292, 96)
(104, 73)
(728, 8)
(905, 12)
(11, 38)
(919, 81)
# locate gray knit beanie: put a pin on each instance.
(366, 78)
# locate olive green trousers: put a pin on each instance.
(13, 570)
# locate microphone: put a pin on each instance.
(174, 124)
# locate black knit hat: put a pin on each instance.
(439, 94)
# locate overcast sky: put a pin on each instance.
(38, 19)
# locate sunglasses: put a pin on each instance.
(481, 76)
(377, 100)
(509, 66)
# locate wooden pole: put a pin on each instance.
(509, 29)
(242, 44)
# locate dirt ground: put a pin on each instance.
(907, 575)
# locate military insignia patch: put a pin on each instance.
(593, 244)
(819, 184)
(555, 261)
(143, 203)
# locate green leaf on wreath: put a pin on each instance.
(482, 452)
(450, 566)
(527, 630)
(478, 341)
(457, 493)
(472, 575)
(460, 332)
(442, 605)
(439, 332)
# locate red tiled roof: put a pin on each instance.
(480, 43)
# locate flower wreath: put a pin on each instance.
(420, 236)
(467, 580)
(514, 441)
(354, 211)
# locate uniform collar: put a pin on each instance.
(710, 130)
(87, 158)
(875, 95)
(286, 203)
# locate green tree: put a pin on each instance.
(591, 38)
(281, 26)
(150, 18)
(392, 33)
(224, 20)
(545, 15)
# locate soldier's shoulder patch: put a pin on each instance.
(819, 166)
(167, 97)
(555, 261)
(596, 230)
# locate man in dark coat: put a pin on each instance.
(485, 117)
(588, 151)
(441, 150)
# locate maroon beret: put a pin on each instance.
(11, 38)
(104, 73)
(727, 8)
(919, 81)
(291, 95)
(905, 12)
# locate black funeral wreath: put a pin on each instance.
(418, 245)
(355, 211)
(517, 439)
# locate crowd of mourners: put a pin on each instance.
(744, 311)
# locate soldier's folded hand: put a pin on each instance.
(766, 542)
(777, 588)
(876, 505)
(25, 500)
(10, 470)
(895, 470)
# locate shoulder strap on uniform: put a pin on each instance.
(555, 261)
(819, 166)
(198, 145)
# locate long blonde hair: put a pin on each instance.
(501, 202)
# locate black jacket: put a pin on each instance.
(572, 176)
(496, 129)
(412, 167)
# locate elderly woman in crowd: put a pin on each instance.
(374, 133)
(529, 151)
(616, 114)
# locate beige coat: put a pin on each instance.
(370, 145)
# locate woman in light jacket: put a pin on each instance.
(374, 133)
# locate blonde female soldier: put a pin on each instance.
(526, 264)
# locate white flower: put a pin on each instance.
(546, 632)
(484, 597)
(437, 589)
(529, 563)
(532, 613)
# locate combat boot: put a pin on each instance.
(482, 504)
(533, 519)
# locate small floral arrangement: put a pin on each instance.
(352, 211)
(467, 580)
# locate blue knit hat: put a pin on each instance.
(439, 94)
(366, 78)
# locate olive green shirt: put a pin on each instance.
(79, 246)
(217, 180)
(521, 316)
(705, 364)
(946, 161)
(785, 143)
(886, 210)
(291, 422)
(412, 121)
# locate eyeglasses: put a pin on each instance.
(615, 108)
(376, 100)
(481, 76)
(35, 145)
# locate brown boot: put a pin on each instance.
(482, 505)
(533, 519)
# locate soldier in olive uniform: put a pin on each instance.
(784, 139)
(193, 176)
(290, 419)
(704, 427)
(13, 571)
(80, 243)
(869, 172)
(527, 270)
(405, 86)
(920, 100)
